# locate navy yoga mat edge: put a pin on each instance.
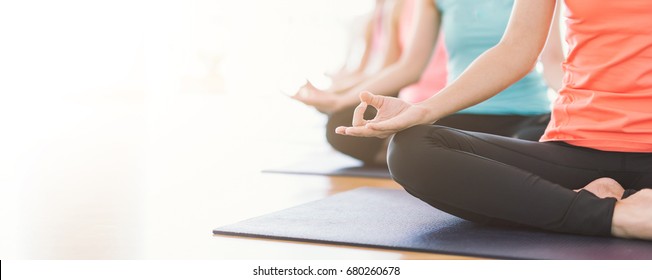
(392, 219)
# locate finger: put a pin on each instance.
(348, 130)
(361, 131)
(358, 115)
(296, 95)
(308, 96)
(374, 100)
(309, 85)
(301, 97)
(393, 124)
(301, 92)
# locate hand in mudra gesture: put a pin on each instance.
(323, 101)
(393, 116)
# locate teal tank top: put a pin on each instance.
(473, 26)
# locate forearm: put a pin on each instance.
(345, 83)
(387, 82)
(368, 45)
(364, 61)
(413, 59)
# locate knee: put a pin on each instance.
(413, 142)
(417, 150)
(408, 138)
(405, 149)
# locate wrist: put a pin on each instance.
(426, 114)
(619, 221)
(617, 228)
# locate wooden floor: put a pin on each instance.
(137, 177)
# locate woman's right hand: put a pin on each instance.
(393, 116)
(323, 101)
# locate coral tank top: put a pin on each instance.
(606, 98)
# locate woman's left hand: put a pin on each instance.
(393, 115)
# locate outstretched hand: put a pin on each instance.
(325, 102)
(393, 116)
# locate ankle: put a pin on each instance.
(620, 221)
(632, 217)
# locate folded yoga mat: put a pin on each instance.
(333, 164)
(383, 218)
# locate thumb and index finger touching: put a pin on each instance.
(362, 127)
(377, 101)
(358, 122)
(374, 100)
(366, 99)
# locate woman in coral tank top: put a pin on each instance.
(592, 169)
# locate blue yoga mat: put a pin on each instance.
(393, 219)
(333, 164)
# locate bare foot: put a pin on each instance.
(605, 187)
(633, 216)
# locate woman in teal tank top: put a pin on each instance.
(472, 27)
(522, 110)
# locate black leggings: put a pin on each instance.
(492, 179)
(366, 148)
